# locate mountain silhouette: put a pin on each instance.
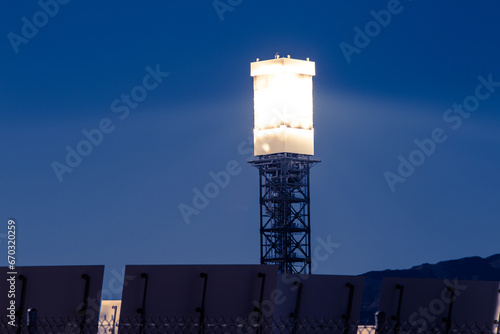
(468, 268)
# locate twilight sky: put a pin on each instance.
(167, 84)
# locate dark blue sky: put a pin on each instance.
(120, 203)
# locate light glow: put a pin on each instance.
(283, 106)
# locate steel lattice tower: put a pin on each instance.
(285, 229)
(283, 149)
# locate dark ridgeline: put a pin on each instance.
(469, 268)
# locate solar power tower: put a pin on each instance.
(283, 149)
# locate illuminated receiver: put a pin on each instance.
(283, 106)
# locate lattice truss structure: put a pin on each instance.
(285, 230)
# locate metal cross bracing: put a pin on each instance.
(285, 230)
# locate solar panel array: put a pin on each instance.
(249, 294)
(188, 290)
(71, 293)
(417, 302)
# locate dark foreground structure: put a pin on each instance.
(222, 326)
(240, 299)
